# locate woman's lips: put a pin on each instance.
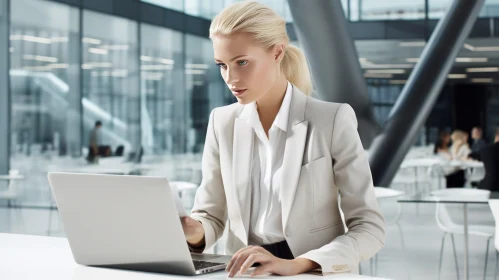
(238, 92)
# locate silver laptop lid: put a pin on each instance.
(127, 222)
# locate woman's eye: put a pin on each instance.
(221, 65)
(242, 62)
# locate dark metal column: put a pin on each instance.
(4, 88)
(321, 28)
(421, 90)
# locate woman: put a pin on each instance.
(460, 149)
(275, 162)
(442, 146)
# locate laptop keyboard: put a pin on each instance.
(203, 264)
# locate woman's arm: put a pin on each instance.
(210, 203)
(352, 175)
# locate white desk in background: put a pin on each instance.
(24, 257)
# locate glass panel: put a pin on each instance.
(344, 3)
(205, 89)
(388, 10)
(438, 8)
(163, 112)
(110, 82)
(169, 4)
(44, 36)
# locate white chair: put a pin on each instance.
(494, 207)
(448, 226)
(391, 209)
(12, 193)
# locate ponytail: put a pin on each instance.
(295, 68)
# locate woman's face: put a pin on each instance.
(248, 69)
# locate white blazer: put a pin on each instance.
(323, 159)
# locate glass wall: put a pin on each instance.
(111, 80)
(44, 117)
(162, 90)
(205, 89)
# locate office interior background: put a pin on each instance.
(146, 70)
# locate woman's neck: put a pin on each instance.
(269, 105)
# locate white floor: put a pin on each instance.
(419, 260)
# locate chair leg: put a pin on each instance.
(486, 259)
(371, 264)
(497, 263)
(403, 250)
(441, 255)
(375, 265)
(455, 255)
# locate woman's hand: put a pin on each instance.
(193, 231)
(269, 264)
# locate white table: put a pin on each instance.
(36, 257)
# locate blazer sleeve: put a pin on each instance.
(365, 223)
(210, 206)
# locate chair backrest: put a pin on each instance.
(494, 207)
(389, 207)
(444, 220)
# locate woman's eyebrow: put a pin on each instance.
(232, 59)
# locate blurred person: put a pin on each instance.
(460, 148)
(442, 145)
(96, 147)
(490, 157)
(275, 162)
(478, 142)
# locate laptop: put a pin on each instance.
(126, 222)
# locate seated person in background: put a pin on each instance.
(478, 142)
(442, 145)
(96, 148)
(459, 150)
(490, 157)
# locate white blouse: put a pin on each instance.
(266, 213)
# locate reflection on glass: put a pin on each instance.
(45, 113)
(163, 116)
(203, 8)
(391, 10)
(177, 5)
(438, 8)
(110, 80)
(205, 89)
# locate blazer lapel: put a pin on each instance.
(241, 173)
(293, 153)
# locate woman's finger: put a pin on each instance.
(234, 257)
(252, 259)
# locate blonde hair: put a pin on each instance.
(268, 29)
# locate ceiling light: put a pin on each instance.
(397, 82)
(40, 58)
(198, 66)
(471, 59)
(156, 67)
(387, 71)
(482, 69)
(378, 75)
(115, 47)
(413, 60)
(412, 44)
(98, 51)
(469, 47)
(194, 72)
(387, 66)
(457, 76)
(482, 80)
(91, 41)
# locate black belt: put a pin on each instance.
(280, 250)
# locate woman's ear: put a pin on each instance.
(279, 52)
